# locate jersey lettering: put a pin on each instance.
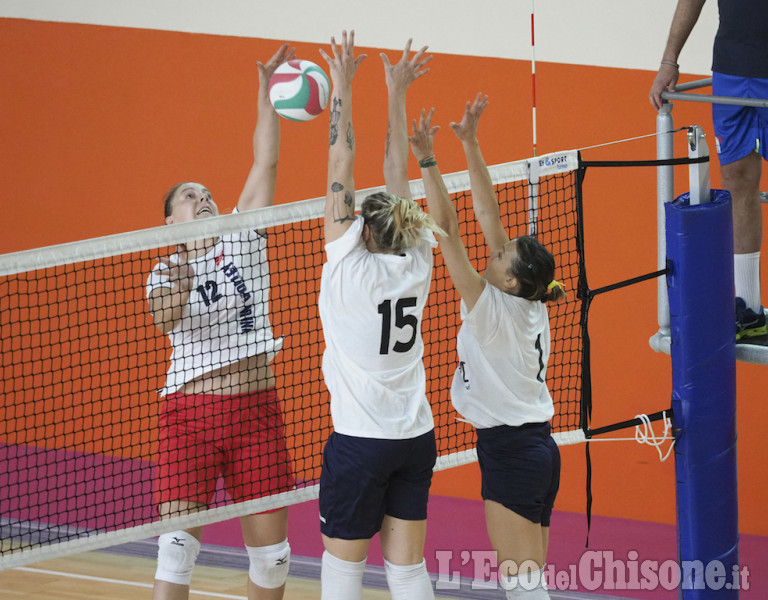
(209, 292)
(230, 270)
(215, 296)
(540, 374)
(246, 319)
(463, 374)
(402, 321)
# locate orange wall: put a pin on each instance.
(98, 122)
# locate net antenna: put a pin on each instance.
(533, 74)
(533, 188)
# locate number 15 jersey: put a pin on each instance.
(371, 308)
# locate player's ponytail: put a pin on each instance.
(534, 269)
(394, 222)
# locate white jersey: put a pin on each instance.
(226, 318)
(371, 307)
(503, 348)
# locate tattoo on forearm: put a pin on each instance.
(386, 142)
(335, 115)
(350, 136)
(349, 204)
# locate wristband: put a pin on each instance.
(427, 162)
(671, 63)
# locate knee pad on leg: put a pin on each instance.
(176, 556)
(341, 579)
(409, 581)
(269, 564)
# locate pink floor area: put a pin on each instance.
(622, 556)
(95, 492)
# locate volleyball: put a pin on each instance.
(299, 90)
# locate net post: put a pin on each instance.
(698, 173)
(700, 283)
(665, 186)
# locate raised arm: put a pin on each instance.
(166, 304)
(465, 279)
(685, 17)
(398, 78)
(259, 189)
(340, 193)
(484, 201)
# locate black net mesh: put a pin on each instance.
(82, 363)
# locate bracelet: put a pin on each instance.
(427, 162)
(671, 63)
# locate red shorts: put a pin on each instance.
(239, 438)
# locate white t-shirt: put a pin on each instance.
(503, 348)
(371, 308)
(226, 318)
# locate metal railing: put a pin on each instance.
(698, 175)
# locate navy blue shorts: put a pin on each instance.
(364, 479)
(739, 130)
(520, 468)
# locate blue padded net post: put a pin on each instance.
(701, 301)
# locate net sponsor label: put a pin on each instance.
(595, 570)
(558, 162)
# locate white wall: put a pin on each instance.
(610, 33)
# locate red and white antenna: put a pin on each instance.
(533, 76)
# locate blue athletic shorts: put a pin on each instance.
(520, 469)
(739, 130)
(364, 479)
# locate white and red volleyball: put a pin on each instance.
(299, 90)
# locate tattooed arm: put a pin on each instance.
(340, 194)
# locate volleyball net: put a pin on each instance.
(83, 363)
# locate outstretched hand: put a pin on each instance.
(423, 135)
(466, 129)
(343, 63)
(404, 72)
(266, 70)
(180, 274)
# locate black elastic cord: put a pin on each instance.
(627, 282)
(644, 163)
(589, 495)
(657, 416)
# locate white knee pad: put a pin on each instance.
(176, 556)
(409, 582)
(269, 564)
(341, 579)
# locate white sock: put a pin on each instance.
(528, 586)
(409, 582)
(746, 275)
(341, 579)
